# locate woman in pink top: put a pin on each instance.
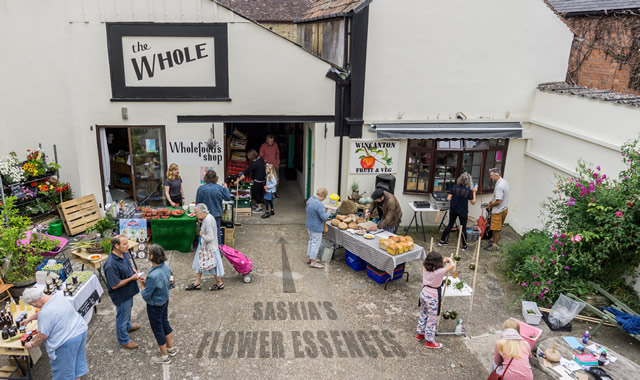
(432, 275)
(511, 353)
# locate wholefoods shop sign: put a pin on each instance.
(168, 61)
(374, 156)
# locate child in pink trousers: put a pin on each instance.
(432, 276)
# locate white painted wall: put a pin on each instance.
(56, 83)
(483, 58)
(564, 129)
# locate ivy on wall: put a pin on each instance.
(617, 36)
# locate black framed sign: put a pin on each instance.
(173, 61)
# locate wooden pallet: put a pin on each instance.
(79, 214)
(244, 211)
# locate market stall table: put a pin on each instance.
(85, 297)
(82, 256)
(369, 249)
(420, 210)
(175, 233)
(621, 369)
(14, 350)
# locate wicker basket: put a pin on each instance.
(95, 250)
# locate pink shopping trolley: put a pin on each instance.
(241, 263)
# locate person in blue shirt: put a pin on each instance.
(63, 331)
(155, 292)
(122, 286)
(212, 195)
(316, 217)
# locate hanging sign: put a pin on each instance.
(374, 156)
(168, 61)
(196, 153)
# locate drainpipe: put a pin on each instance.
(343, 80)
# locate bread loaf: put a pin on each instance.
(383, 243)
(343, 226)
(341, 217)
(392, 249)
(401, 239)
(353, 225)
(408, 239)
(347, 220)
(409, 245)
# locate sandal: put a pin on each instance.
(216, 287)
(316, 265)
(193, 287)
(308, 260)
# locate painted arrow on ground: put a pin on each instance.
(288, 286)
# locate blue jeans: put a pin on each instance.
(71, 360)
(315, 240)
(159, 321)
(123, 320)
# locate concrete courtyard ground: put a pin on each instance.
(335, 323)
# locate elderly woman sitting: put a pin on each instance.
(209, 242)
(63, 330)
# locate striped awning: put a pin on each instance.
(459, 130)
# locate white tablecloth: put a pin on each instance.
(369, 249)
(84, 298)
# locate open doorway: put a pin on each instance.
(289, 138)
(132, 163)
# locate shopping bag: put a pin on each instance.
(206, 261)
(494, 374)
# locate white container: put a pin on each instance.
(333, 200)
(192, 208)
(532, 319)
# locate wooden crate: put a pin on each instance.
(79, 214)
(245, 211)
(229, 237)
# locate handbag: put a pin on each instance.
(494, 375)
(326, 228)
(205, 261)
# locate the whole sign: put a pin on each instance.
(374, 156)
(168, 61)
(196, 153)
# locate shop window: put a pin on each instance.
(435, 165)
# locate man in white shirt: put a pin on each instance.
(499, 207)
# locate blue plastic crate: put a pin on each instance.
(381, 276)
(356, 265)
(353, 257)
(59, 272)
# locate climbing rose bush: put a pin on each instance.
(592, 233)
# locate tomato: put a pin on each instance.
(367, 162)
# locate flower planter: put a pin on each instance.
(19, 287)
(62, 242)
(532, 319)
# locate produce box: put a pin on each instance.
(532, 319)
(381, 276)
(244, 203)
(354, 262)
(529, 333)
(59, 269)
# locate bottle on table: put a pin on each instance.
(21, 303)
(12, 306)
(603, 358)
(585, 338)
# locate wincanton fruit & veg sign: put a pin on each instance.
(155, 62)
(374, 156)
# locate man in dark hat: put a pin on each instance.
(389, 210)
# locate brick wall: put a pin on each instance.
(589, 65)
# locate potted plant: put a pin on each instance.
(104, 226)
(355, 189)
(20, 259)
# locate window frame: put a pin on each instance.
(433, 151)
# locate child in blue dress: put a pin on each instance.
(270, 190)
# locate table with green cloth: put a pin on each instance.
(175, 233)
